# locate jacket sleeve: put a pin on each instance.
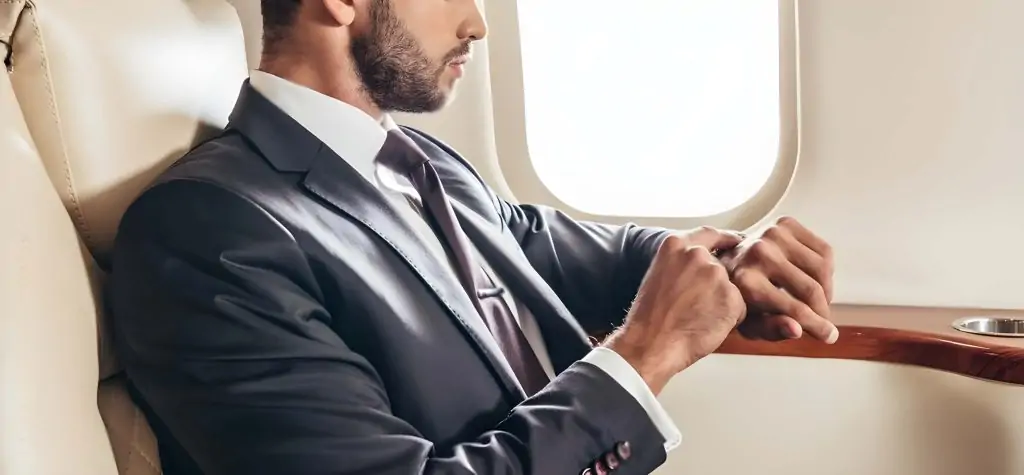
(596, 269)
(220, 323)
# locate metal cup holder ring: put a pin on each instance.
(991, 326)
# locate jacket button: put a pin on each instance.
(587, 471)
(611, 460)
(623, 450)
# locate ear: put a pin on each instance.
(342, 11)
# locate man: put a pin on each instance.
(319, 291)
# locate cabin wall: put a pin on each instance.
(908, 150)
(898, 144)
(911, 154)
(784, 416)
(907, 159)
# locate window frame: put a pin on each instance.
(508, 104)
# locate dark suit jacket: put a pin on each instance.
(275, 316)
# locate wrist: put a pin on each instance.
(655, 365)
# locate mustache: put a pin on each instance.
(462, 50)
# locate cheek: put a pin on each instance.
(429, 23)
(434, 49)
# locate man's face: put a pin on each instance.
(413, 51)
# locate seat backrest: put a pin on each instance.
(115, 90)
(106, 94)
(49, 423)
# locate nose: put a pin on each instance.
(474, 27)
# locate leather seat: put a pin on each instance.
(49, 423)
(100, 96)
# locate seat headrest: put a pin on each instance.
(113, 91)
(10, 13)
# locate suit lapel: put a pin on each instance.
(291, 148)
(336, 183)
(566, 340)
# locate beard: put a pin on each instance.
(396, 74)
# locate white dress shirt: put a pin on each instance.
(357, 137)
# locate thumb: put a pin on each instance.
(715, 240)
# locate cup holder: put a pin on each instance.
(991, 326)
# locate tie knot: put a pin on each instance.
(400, 153)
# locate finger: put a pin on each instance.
(771, 327)
(791, 235)
(792, 279)
(805, 236)
(803, 257)
(817, 325)
(737, 302)
(806, 260)
(762, 295)
(715, 240)
(773, 263)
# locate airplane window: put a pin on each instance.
(651, 108)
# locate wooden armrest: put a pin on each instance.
(905, 335)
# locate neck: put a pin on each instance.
(333, 78)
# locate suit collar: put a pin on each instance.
(347, 130)
(280, 139)
(269, 108)
(289, 147)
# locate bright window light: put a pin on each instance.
(652, 108)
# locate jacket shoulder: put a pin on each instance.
(225, 173)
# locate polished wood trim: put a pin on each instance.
(962, 355)
(916, 336)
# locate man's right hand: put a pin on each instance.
(685, 308)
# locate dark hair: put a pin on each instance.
(278, 16)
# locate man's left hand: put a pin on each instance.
(785, 276)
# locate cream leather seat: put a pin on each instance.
(49, 423)
(101, 95)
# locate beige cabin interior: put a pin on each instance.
(920, 102)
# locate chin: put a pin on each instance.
(438, 102)
(449, 90)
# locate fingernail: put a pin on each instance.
(832, 337)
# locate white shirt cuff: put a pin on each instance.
(622, 372)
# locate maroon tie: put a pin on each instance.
(403, 156)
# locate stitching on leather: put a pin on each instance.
(76, 208)
(7, 39)
(135, 441)
(131, 445)
(149, 461)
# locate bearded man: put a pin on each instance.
(319, 291)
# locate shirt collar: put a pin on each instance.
(351, 133)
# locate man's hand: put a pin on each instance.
(785, 276)
(685, 308)
(717, 241)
